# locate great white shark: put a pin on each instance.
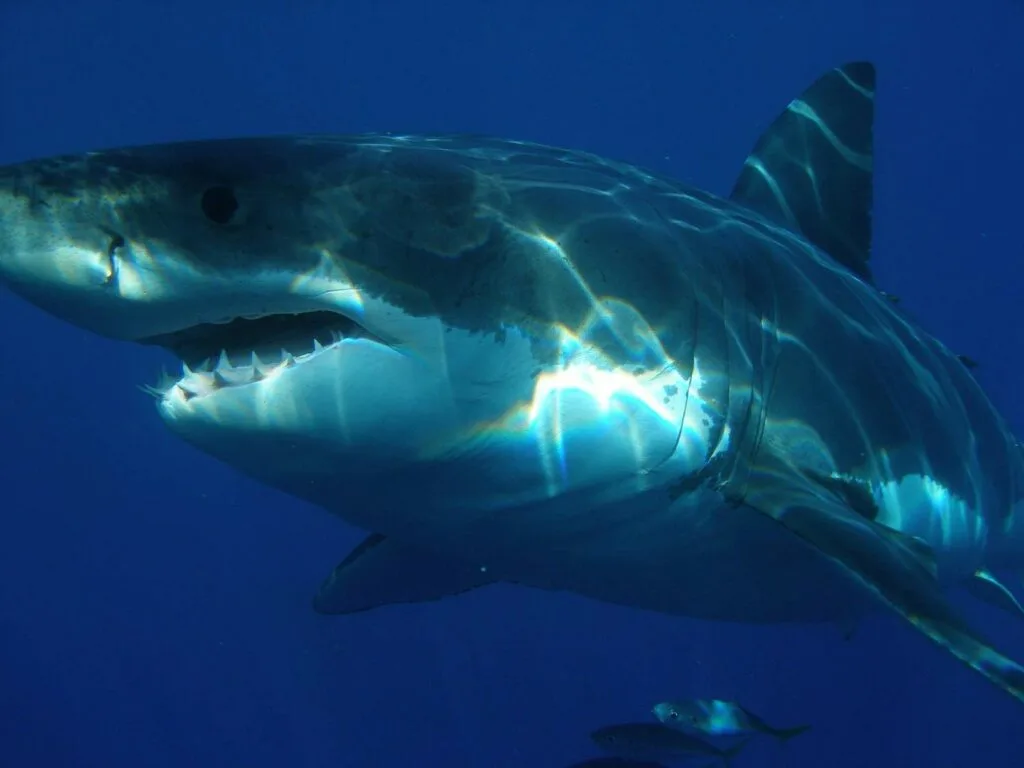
(517, 363)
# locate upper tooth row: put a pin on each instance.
(223, 361)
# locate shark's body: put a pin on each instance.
(534, 365)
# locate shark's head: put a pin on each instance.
(352, 315)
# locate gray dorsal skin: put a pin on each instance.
(381, 571)
(987, 588)
(797, 175)
(596, 379)
(823, 137)
(812, 169)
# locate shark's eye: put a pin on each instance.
(219, 204)
(674, 715)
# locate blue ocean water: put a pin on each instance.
(155, 606)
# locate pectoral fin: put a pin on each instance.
(381, 571)
(890, 565)
(987, 588)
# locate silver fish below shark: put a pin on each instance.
(715, 717)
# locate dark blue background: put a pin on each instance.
(155, 607)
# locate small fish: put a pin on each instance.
(715, 717)
(615, 762)
(653, 741)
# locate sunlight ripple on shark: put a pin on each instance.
(594, 378)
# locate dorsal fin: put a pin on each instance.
(812, 169)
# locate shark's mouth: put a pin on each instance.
(245, 350)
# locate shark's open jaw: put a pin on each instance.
(242, 351)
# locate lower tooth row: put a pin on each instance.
(209, 376)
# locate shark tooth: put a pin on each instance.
(317, 346)
(287, 360)
(222, 360)
(258, 372)
(220, 380)
(185, 370)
